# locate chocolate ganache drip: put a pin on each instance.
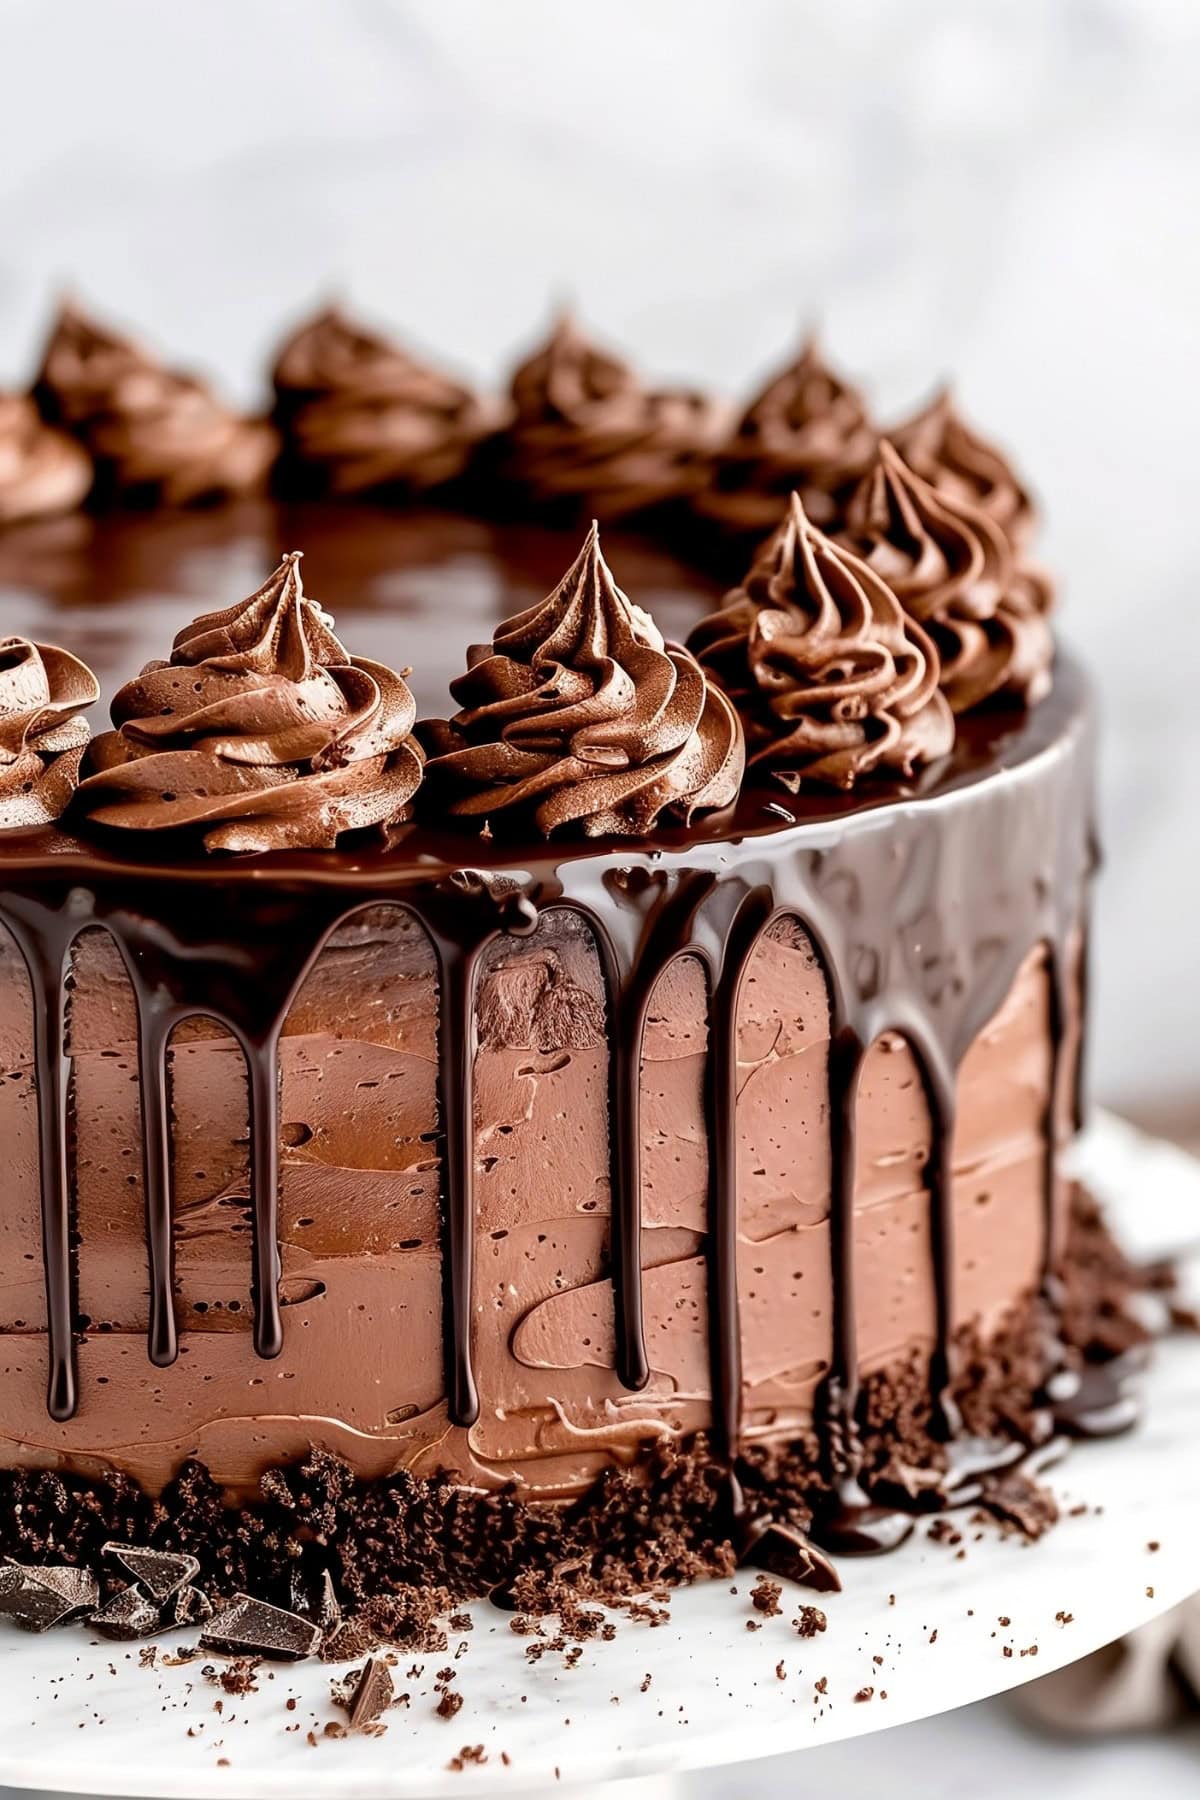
(834, 680)
(41, 470)
(944, 451)
(43, 692)
(807, 432)
(153, 433)
(586, 436)
(260, 733)
(358, 414)
(956, 573)
(577, 715)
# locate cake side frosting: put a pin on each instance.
(642, 1297)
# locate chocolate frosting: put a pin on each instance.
(43, 691)
(261, 732)
(579, 715)
(358, 413)
(41, 470)
(153, 433)
(954, 570)
(587, 434)
(833, 678)
(944, 451)
(808, 432)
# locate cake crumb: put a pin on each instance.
(764, 1596)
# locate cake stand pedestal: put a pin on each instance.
(934, 1626)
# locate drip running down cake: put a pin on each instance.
(527, 1047)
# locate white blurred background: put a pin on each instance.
(1006, 193)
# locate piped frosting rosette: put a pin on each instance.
(807, 432)
(260, 733)
(833, 679)
(939, 446)
(43, 693)
(358, 413)
(588, 437)
(42, 471)
(955, 572)
(152, 432)
(578, 717)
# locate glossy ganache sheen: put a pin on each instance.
(541, 1150)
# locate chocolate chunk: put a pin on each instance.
(188, 1607)
(37, 1599)
(786, 1551)
(316, 1600)
(1020, 1504)
(129, 1614)
(160, 1573)
(366, 1693)
(249, 1627)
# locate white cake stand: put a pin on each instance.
(925, 1627)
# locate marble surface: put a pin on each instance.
(1003, 192)
(923, 1630)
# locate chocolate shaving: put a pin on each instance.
(249, 1627)
(160, 1573)
(38, 1599)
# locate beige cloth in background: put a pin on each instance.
(1141, 1683)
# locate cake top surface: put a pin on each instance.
(413, 589)
(799, 603)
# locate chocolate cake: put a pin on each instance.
(592, 1101)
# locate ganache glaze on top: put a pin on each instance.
(921, 900)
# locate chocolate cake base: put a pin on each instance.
(379, 1561)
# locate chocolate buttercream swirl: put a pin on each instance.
(153, 433)
(358, 414)
(587, 435)
(954, 570)
(807, 432)
(578, 716)
(260, 733)
(43, 692)
(41, 470)
(962, 466)
(832, 677)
